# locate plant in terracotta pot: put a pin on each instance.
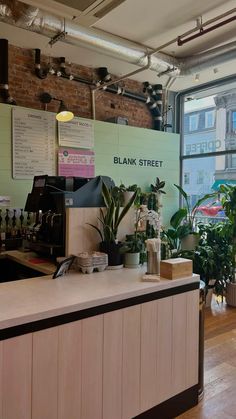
(110, 219)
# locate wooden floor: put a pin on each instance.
(219, 401)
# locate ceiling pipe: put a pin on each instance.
(49, 25)
(40, 73)
(66, 75)
(4, 87)
(210, 58)
(203, 31)
(117, 80)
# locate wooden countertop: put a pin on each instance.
(39, 298)
(30, 259)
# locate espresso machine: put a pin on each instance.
(49, 199)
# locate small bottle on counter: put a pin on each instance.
(7, 229)
(2, 233)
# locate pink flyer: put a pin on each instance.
(73, 162)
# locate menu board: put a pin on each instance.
(73, 162)
(34, 143)
(77, 133)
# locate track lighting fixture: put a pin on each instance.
(63, 114)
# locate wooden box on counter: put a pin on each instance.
(176, 268)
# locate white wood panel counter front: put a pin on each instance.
(137, 355)
(38, 298)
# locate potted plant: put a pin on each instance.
(176, 232)
(212, 258)
(186, 216)
(157, 189)
(110, 219)
(228, 199)
(133, 246)
(124, 193)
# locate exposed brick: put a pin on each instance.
(25, 88)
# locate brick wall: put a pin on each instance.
(25, 88)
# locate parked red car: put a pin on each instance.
(211, 210)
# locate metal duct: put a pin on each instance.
(211, 58)
(49, 25)
(4, 88)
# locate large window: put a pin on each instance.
(208, 140)
(209, 119)
(186, 178)
(193, 122)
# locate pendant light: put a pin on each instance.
(63, 114)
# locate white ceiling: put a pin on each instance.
(151, 23)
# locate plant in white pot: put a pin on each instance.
(125, 193)
(110, 219)
(135, 243)
(133, 246)
(157, 189)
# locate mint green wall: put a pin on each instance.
(110, 140)
(124, 141)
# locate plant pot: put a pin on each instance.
(127, 195)
(190, 242)
(231, 294)
(208, 297)
(115, 258)
(132, 260)
(159, 197)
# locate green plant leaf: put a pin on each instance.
(126, 209)
(106, 195)
(98, 230)
(178, 217)
(183, 193)
(201, 200)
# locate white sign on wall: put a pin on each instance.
(78, 133)
(34, 143)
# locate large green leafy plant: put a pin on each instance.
(186, 215)
(212, 258)
(111, 217)
(158, 186)
(228, 199)
(214, 255)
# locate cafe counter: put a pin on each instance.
(104, 345)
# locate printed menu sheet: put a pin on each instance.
(78, 133)
(34, 143)
(72, 162)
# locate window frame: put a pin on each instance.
(179, 120)
(213, 119)
(192, 118)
